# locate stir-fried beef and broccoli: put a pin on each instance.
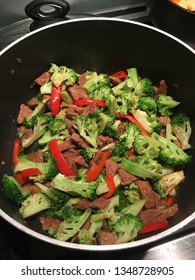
(97, 157)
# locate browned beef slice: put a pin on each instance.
(33, 102)
(78, 140)
(95, 160)
(126, 177)
(163, 120)
(90, 109)
(25, 111)
(99, 203)
(31, 188)
(105, 237)
(49, 223)
(74, 159)
(36, 156)
(111, 167)
(121, 128)
(82, 79)
(69, 124)
(131, 154)
(76, 92)
(66, 145)
(104, 140)
(146, 192)
(44, 78)
(28, 133)
(161, 89)
(156, 215)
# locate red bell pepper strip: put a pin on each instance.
(94, 172)
(60, 160)
(86, 101)
(111, 186)
(55, 99)
(120, 74)
(168, 201)
(16, 151)
(20, 178)
(153, 226)
(133, 120)
(30, 172)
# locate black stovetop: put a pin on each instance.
(17, 245)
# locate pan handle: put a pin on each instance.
(44, 12)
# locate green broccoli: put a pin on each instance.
(56, 130)
(48, 168)
(143, 167)
(75, 188)
(123, 200)
(182, 129)
(87, 236)
(41, 122)
(13, 190)
(29, 121)
(166, 184)
(170, 153)
(166, 104)
(147, 104)
(118, 152)
(88, 127)
(130, 133)
(132, 194)
(71, 225)
(149, 122)
(145, 88)
(132, 73)
(63, 74)
(146, 145)
(87, 153)
(125, 99)
(126, 228)
(34, 204)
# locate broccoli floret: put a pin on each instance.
(48, 168)
(130, 133)
(13, 190)
(145, 88)
(182, 129)
(56, 130)
(169, 132)
(147, 104)
(71, 225)
(126, 228)
(40, 124)
(30, 121)
(34, 204)
(81, 188)
(88, 127)
(123, 201)
(111, 130)
(87, 153)
(119, 151)
(143, 167)
(167, 183)
(125, 99)
(87, 236)
(146, 145)
(63, 74)
(166, 104)
(132, 193)
(132, 73)
(94, 84)
(170, 153)
(32, 148)
(149, 122)
(63, 212)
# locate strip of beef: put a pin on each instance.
(74, 160)
(66, 145)
(105, 237)
(162, 88)
(95, 160)
(69, 124)
(111, 167)
(163, 120)
(146, 192)
(104, 140)
(31, 188)
(25, 111)
(77, 140)
(82, 79)
(72, 110)
(90, 109)
(131, 154)
(36, 156)
(27, 132)
(44, 78)
(126, 177)
(76, 92)
(99, 203)
(33, 102)
(121, 128)
(49, 223)
(156, 215)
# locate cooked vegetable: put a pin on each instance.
(95, 153)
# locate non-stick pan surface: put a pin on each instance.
(104, 45)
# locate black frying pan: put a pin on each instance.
(105, 45)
